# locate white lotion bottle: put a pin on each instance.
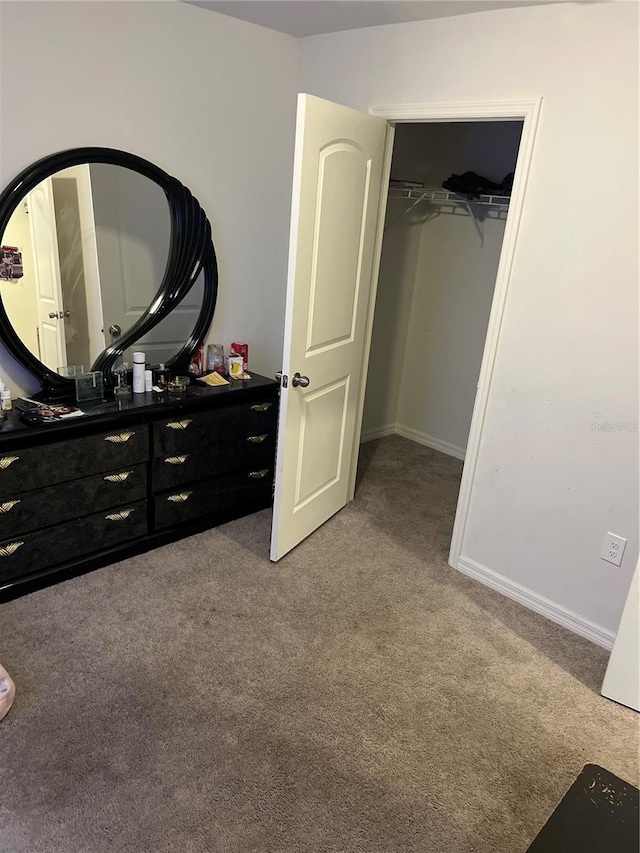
(138, 372)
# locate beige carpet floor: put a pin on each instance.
(358, 696)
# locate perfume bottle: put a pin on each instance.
(162, 377)
(122, 389)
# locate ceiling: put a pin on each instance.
(313, 17)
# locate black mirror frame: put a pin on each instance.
(191, 253)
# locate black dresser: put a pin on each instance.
(130, 476)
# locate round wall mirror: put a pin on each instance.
(102, 253)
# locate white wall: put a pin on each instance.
(396, 285)
(549, 484)
(455, 280)
(209, 99)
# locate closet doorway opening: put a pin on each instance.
(438, 310)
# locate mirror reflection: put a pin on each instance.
(82, 258)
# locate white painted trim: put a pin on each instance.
(538, 603)
(381, 432)
(528, 111)
(456, 110)
(430, 441)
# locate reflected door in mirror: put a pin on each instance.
(47, 280)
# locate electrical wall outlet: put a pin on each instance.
(613, 549)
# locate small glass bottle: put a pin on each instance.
(5, 400)
(162, 377)
(122, 389)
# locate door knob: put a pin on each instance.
(297, 380)
(114, 330)
(53, 315)
(67, 313)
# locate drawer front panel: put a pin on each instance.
(185, 434)
(227, 492)
(22, 555)
(33, 467)
(225, 454)
(64, 501)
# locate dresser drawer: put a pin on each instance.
(35, 552)
(64, 501)
(202, 429)
(22, 470)
(226, 492)
(226, 453)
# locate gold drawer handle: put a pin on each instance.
(120, 515)
(261, 407)
(11, 548)
(118, 478)
(7, 506)
(258, 439)
(120, 437)
(177, 460)
(5, 461)
(180, 497)
(259, 475)
(183, 424)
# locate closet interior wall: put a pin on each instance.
(435, 287)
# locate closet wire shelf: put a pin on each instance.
(440, 196)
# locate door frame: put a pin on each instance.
(528, 111)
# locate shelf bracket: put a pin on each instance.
(405, 212)
(476, 223)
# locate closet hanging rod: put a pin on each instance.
(438, 195)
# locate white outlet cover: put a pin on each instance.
(613, 549)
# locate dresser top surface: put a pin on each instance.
(140, 407)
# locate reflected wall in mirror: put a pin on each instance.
(116, 256)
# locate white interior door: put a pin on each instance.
(42, 223)
(339, 187)
(622, 679)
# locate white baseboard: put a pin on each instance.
(413, 435)
(381, 432)
(509, 588)
(538, 603)
(430, 441)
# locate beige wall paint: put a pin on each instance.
(208, 98)
(555, 471)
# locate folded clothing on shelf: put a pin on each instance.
(472, 186)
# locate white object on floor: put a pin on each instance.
(622, 679)
(7, 692)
